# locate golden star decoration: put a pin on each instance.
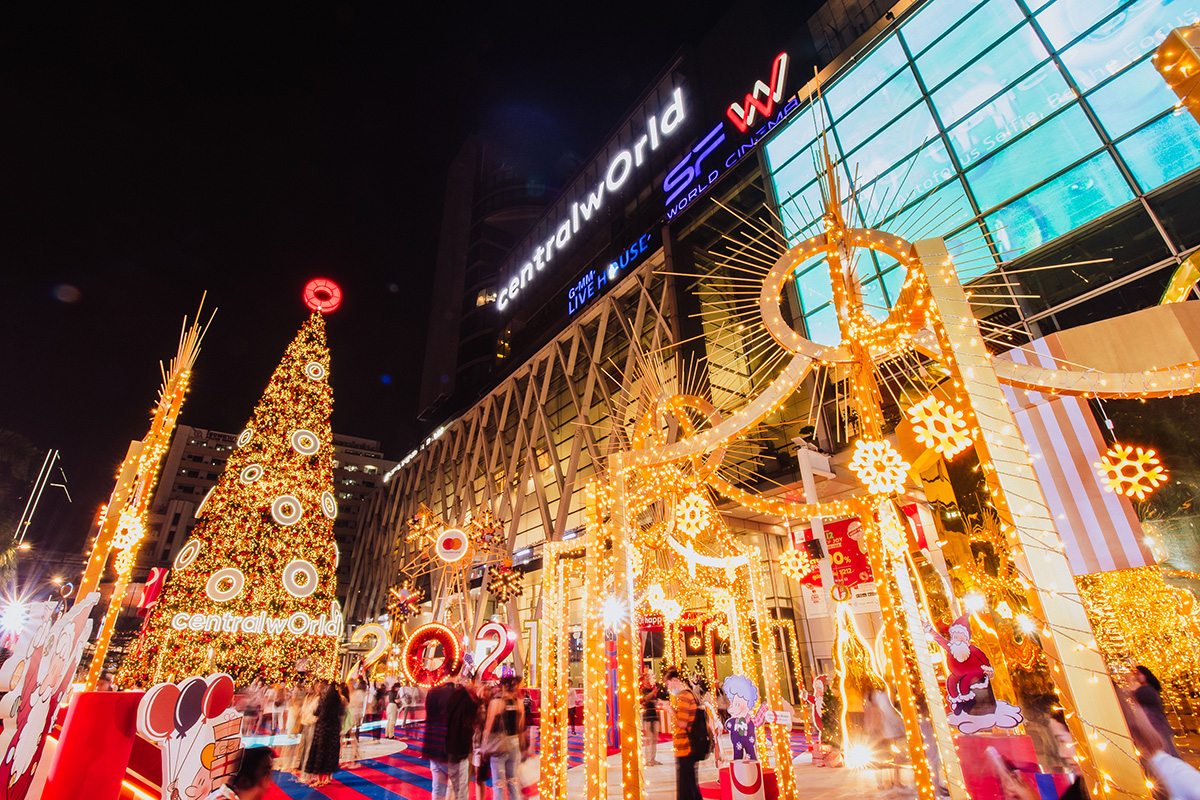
(879, 467)
(1133, 472)
(939, 426)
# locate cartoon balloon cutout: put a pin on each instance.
(156, 711)
(218, 694)
(190, 706)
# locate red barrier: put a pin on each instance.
(94, 746)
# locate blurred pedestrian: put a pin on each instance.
(393, 707)
(682, 712)
(349, 732)
(326, 738)
(253, 778)
(308, 720)
(501, 739)
(650, 718)
(1147, 691)
(358, 703)
(481, 764)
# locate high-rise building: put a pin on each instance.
(491, 199)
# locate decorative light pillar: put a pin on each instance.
(1080, 675)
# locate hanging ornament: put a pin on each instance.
(694, 514)
(505, 582)
(939, 426)
(796, 565)
(1131, 472)
(879, 467)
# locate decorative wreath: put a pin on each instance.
(328, 505)
(414, 655)
(188, 554)
(294, 569)
(305, 442)
(286, 510)
(314, 371)
(225, 584)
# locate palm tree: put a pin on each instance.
(19, 460)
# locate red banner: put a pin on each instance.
(848, 551)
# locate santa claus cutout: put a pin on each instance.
(974, 707)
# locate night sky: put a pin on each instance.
(149, 155)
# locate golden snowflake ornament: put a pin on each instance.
(694, 514)
(796, 565)
(939, 426)
(1131, 472)
(879, 467)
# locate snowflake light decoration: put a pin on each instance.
(422, 525)
(694, 514)
(483, 528)
(796, 565)
(671, 610)
(130, 529)
(879, 467)
(1131, 472)
(939, 426)
(405, 602)
(505, 583)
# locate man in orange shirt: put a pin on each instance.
(683, 714)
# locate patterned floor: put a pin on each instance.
(405, 775)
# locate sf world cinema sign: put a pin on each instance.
(715, 154)
(620, 168)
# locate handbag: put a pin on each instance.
(494, 743)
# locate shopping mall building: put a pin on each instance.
(1028, 134)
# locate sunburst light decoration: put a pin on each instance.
(1133, 472)
(878, 466)
(796, 565)
(939, 426)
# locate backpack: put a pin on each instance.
(699, 736)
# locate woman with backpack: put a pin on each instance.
(691, 737)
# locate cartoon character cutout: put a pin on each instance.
(744, 716)
(974, 707)
(197, 731)
(42, 668)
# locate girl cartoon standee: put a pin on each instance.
(744, 717)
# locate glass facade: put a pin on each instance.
(1012, 122)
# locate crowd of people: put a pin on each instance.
(325, 719)
(474, 731)
(477, 732)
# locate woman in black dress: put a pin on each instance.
(327, 732)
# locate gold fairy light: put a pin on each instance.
(878, 466)
(1131, 472)
(939, 426)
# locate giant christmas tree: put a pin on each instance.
(252, 591)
